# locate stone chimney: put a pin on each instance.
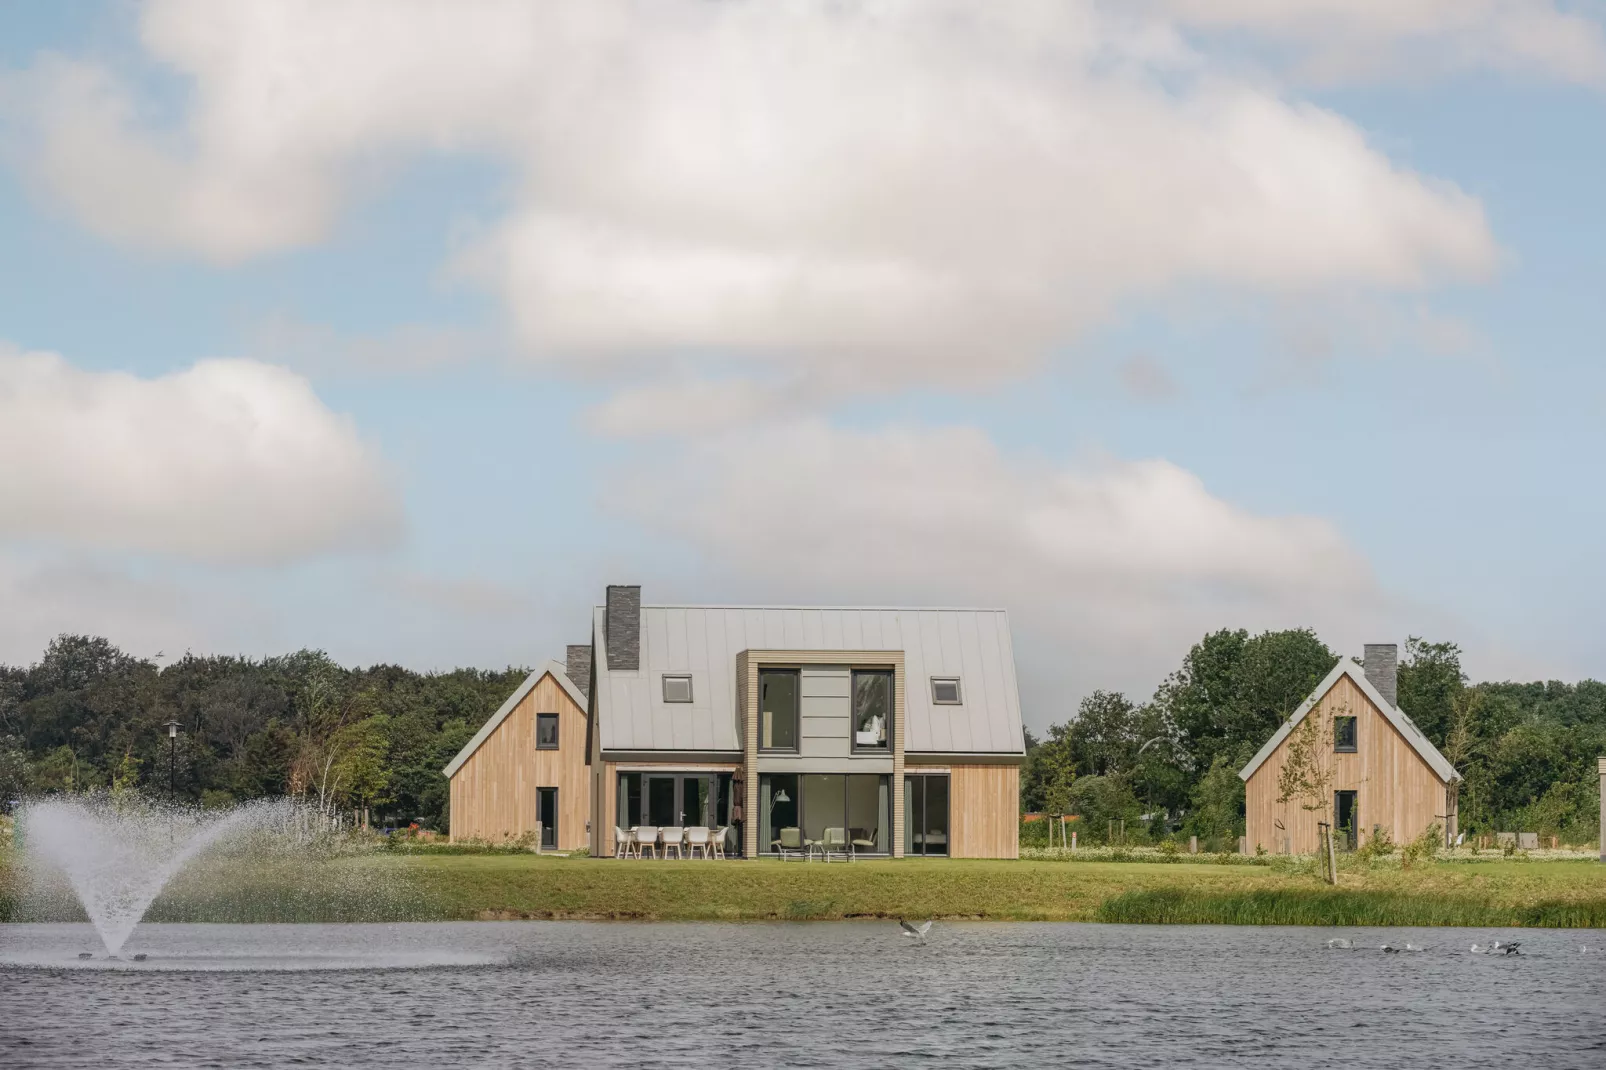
(623, 627)
(577, 666)
(1382, 664)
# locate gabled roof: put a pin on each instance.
(703, 641)
(1396, 717)
(557, 671)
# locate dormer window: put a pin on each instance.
(677, 688)
(945, 691)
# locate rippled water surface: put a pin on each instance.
(750, 995)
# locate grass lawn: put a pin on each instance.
(1481, 893)
(383, 887)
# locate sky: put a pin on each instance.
(400, 329)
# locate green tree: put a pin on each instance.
(1218, 801)
(1430, 679)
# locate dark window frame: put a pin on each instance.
(884, 747)
(549, 830)
(959, 691)
(541, 720)
(797, 709)
(690, 693)
(918, 783)
(1346, 742)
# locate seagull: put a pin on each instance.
(1338, 943)
(1506, 949)
(1389, 950)
(917, 931)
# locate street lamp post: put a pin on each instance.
(172, 760)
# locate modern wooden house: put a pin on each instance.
(899, 729)
(1385, 775)
(527, 764)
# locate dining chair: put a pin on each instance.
(645, 838)
(717, 842)
(672, 841)
(697, 840)
(621, 843)
(834, 841)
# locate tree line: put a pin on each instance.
(1170, 765)
(88, 716)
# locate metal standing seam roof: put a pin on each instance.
(703, 641)
(1404, 725)
(559, 672)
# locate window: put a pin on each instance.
(925, 814)
(872, 709)
(1344, 735)
(945, 690)
(677, 689)
(546, 731)
(778, 693)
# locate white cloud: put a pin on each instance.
(229, 460)
(1111, 568)
(877, 194)
(1347, 40)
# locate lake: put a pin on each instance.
(853, 994)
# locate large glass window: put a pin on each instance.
(851, 812)
(669, 799)
(872, 709)
(779, 806)
(925, 814)
(778, 692)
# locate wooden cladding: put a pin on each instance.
(494, 792)
(1394, 788)
(984, 811)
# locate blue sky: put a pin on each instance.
(1370, 456)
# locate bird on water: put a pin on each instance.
(917, 931)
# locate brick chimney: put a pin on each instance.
(623, 627)
(577, 666)
(1381, 661)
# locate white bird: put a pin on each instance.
(917, 931)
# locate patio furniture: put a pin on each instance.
(672, 841)
(790, 842)
(621, 843)
(717, 842)
(697, 840)
(863, 840)
(645, 837)
(834, 842)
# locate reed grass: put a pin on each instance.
(1345, 907)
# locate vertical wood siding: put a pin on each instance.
(494, 792)
(984, 811)
(1393, 786)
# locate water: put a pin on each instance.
(118, 854)
(855, 994)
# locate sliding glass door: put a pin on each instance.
(798, 809)
(925, 811)
(670, 799)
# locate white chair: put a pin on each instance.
(717, 841)
(834, 842)
(672, 840)
(697, 840)
(645, 838)
(621, 843)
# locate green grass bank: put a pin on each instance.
(381, 887)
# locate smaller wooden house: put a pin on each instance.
(527, 764)
(1384, 775)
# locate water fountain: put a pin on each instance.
(119, 853)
